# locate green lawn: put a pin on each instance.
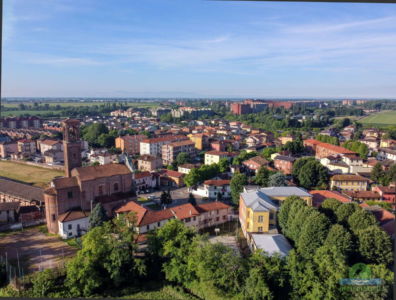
(30, 174)
(381, 118)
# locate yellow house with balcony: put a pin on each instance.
(258, 207)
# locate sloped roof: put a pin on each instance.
(94, 172)
(345, 177)
(320, 195)
(72, 215)
(21, 190)
(258, 201)
(211, 206)
(285, 191)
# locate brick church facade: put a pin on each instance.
(83, 187)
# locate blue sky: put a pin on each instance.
(197, 48)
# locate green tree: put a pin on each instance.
(224, 164)
(312, 174)
(313, 234)
(297, 222)
(277, 179)
(298, 164)
(375, 245)
(267, 152)
(217, 266)
(344, 211)
(361, 219)
(182, 158)
(262, 177)
(106, 260)
(237, 183)
(256, 288)
(244, 155)
(91, 133)
(284, 211)
(98, 216)
(328, 207)
(43, 283)
(192, 178)
(340, 238)
(273, 272)
(175, 242)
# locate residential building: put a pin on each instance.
(349, 182)
(149, 163)
(186, 168)
(144, 181)
(318, 196)
(7, 148)
(214, 157)
(255, 163)
(360, 196)
(284, 164)
(387, 153)
(73, 223)
(322, 150)
(26, 146)
(21, 122)
(387, 193)
(170, 151)
(211, 189)
(171, 178)
(153, 146)
(198, 216)
(200, 140)
(130, 144)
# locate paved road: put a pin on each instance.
(35, 249)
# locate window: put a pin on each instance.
(217, 212)
(194, 218)
(260, 229)
(69, 194)
(53, 217)
(148, 227)
(115, 187)
(260, 219)
(159, 224)
(69, 226)
(100, 190)
(70, 233)
(187, 220)
(217, 219)
(224, 217)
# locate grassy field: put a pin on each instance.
(17, 113)
(381, 118)
(30, 174)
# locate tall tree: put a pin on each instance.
(344, 211)
(340, 238)
(182, 158)
(262, 177)
(237, 183)
(328, 207)
(375, 245)
(361, 219)
(98, 216)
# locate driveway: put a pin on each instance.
(34, 249)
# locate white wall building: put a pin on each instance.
(73, 223)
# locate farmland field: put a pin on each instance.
(85, 103)
(30, 174)
(381, 118)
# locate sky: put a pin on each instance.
(198, 48)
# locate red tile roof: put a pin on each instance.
(133, 206)
(73, 215)
(211, 206)
(217, 182)
(334, 148)
(164, 139)
(171, 173)
(214, 152)
(184, 211)
(140, 175)
(318, 196)
(94, 172)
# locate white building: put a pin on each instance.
(73, 223)
(212, 187)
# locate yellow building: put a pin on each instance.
(349, 183)
(198, 139)
(258, 208)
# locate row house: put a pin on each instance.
(130, 144)
(170, 178)
(186, 168)
(27, 146)
(21, 122)
(387, 193)
(7, 148)
(361, 196)
(170, 151)
(153, 146)
(371, 142)
(196, 216)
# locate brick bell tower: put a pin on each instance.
(71, 145)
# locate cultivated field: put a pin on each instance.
(381, 118)
(30, 174)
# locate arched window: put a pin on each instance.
(116, 187)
